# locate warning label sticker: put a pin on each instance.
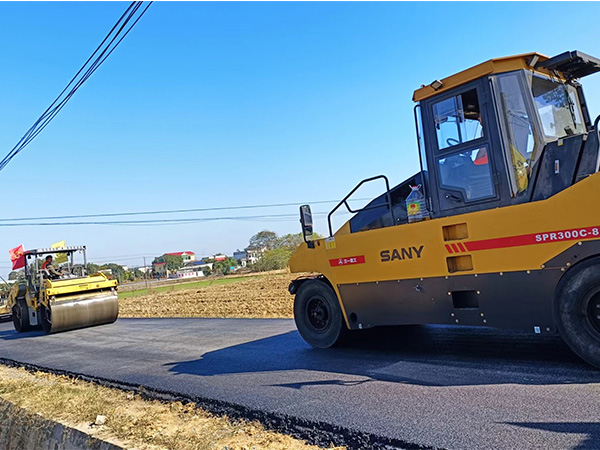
(347, 261)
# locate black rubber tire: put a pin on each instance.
(318, 315)
(46, 324)
(20, 316)
(578, 310)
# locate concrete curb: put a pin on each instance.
(20, 429)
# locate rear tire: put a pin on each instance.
(20, 316)
(318, 315)
(578, 310)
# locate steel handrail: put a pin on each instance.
(344, 201)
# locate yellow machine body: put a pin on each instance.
(4, 308)
(510, 248)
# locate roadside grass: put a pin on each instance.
(184, 286)
(131, 421)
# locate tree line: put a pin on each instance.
(279, 249)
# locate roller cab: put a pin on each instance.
(507, 234)
(63, 297)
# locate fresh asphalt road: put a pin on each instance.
(436, 386)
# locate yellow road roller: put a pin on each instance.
(4, 308)
(62, 298)
(499, 227)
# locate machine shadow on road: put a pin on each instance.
(420, 355)
(591, 431)
(9, 335)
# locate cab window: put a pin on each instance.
(558, 108)
(469, 173)
(457, 119)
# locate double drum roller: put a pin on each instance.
(63, 299)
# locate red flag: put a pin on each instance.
(17, 257)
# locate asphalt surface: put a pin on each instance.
(452, 388)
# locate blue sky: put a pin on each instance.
(225, 104)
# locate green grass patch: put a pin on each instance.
(184, 286)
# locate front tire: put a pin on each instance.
(318, 315)
(578, 310)
(20, 316)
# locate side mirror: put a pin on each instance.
(307, 225)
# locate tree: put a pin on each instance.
(117, 271)
(275, 259)
(13, 275)
(174, 262)
(290, 241)
(129, 276)
(225, 266)
(206, 271)
(92, 268)
(264, 239)
(293, 241)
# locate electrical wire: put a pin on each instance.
(173, 211)
(103, 51)
(263, 217)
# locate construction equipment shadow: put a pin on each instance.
(9, 335)
(420, 355)
(591, 431)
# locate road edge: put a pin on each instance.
(316, 433)
(20, 428)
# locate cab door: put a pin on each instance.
(461, 129)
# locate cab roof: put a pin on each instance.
(568, 65)
(496, 65)
(49, 251)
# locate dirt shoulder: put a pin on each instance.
(132, 422)
(264, 296)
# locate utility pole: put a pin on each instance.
(145, 273)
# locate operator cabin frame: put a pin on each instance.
(508, 131)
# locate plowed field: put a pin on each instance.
(261, 297)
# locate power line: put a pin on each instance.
(270, 217)
(112, 40)
(172, 211)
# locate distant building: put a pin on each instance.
(253, 254)
(143, 269)
(241, 257)
(160, 269)
(250, 255)
(193, 269)
(219, 257)
(186, 256)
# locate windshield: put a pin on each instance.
(558, 108)
(517, 121)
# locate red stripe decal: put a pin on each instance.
(536, 238)
(449, 249)
(347, 261)
(462, 247)
(455, 248)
